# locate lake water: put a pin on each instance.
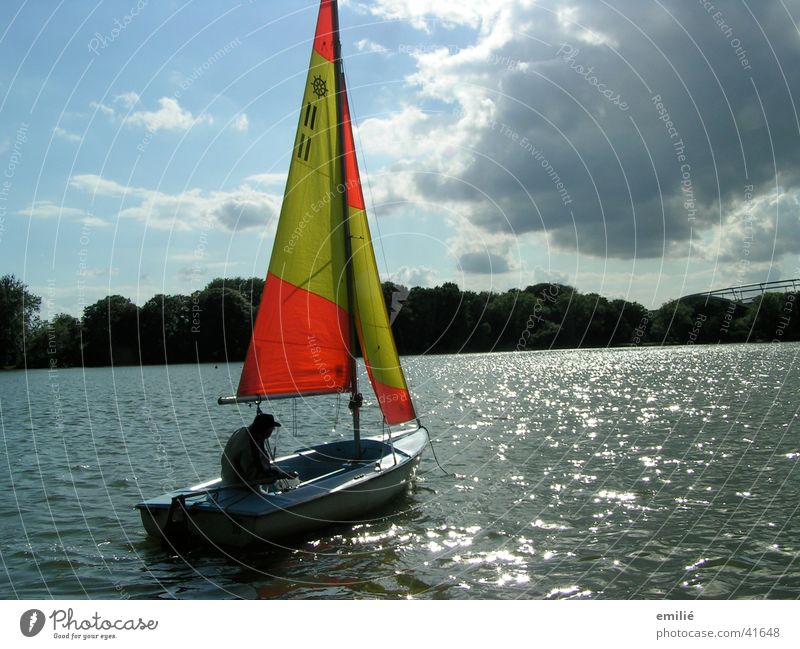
(629, 473)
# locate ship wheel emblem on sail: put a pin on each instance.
(319, 86)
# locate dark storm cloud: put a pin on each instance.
(483, 263)
(236, 214)
(629, 139)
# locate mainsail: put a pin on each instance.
(300, 342)
(301, 339)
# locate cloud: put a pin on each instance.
(239, 209)
(411, 276)
(541, 275)
(570, 23)
(170, 116)
(241, 123)
(127, 99)
(102, 108)
(99, 272)
(197, 271)
(427, 14)
(99, 185)
(762, 229)
(94, 222)
(269, 179)
(50, 210)
(483, 263)
(620, 132)
(244, 209)
(66, 135)
(401, 135)
(366, 45)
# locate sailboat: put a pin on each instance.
(322, 298)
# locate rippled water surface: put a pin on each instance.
(633, 473)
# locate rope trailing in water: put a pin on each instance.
(433, 450)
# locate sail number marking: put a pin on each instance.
(309, 122)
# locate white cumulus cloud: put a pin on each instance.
(50, 210)
(127, 99)
(268, 179)
(366, 45)
(426, 14)
(170, 116)
(238, 209)
(241, 123)
(412, 276)
(102, 108)
(66, 135)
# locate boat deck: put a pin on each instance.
(322, 470)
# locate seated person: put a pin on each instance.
(245, 460)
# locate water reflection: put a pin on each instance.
(581, 474)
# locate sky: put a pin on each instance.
(640, 149)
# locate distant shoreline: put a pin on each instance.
(215, 324)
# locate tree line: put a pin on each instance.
(215, 323)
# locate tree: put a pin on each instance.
(222, 326)
(672, 323)
(110, 332)
(771, 317)
(475, 307)
(451, 316)
(55, 343)
(18, 316)
(251, 289)
(165, 323)
(632, 322)
(499, 314)
(215, 324)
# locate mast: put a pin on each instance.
(355, 400)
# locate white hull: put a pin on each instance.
(333, 489)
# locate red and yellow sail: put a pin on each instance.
(301, 342)
(372, 319)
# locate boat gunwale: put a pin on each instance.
(206, 506)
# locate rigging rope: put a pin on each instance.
(293, 434)
(294, 418)
(433, 450)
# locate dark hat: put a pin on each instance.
(264, 421)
